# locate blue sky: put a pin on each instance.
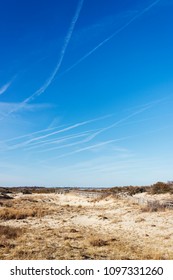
(86, 92)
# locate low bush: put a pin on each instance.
(160, 188)
(153, 206)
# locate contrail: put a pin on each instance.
(106, 142)
(144, 108)
(57, 132)
(68, 128)
(92, 136)
(57, 141)
(73, 144)
(118, 122)
(31, 134)
(99, 131)
(111, 36)
(42, 89)
(87, 148)
(67, 39)
(4, 88)
(7, 85)
(89, 138)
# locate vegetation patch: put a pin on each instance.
(160, 188)
(9, 232)
(153, 206)
(98, 242)
(18, 214)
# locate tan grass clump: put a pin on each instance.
(9, 232)
(18, 214)
(98, 242)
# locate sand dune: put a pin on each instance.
(81, 225)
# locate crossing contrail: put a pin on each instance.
(111, 36)
(87, 148)
(59, 141)
(99, 131)
(68, 128)
(71, 127)
(31, 134)
(43, 88)
(93, 135)
(118, 122)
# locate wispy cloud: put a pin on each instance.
(138, 15)
(91, 136)
(119, 122)
(4, 88)
(99, 27)
(43, 143)
(6, 107)
(55, 122)
(29, 135)
(91, 147)
(69, 128)
(44, 87)
(35, 139)
(40, 142)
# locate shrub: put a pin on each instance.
(161, 187)
(134, 190)
(153, 206)
(25, 191)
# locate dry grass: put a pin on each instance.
(48, 226)
(24, 207)
(9, 232)
(97, 242)
(50, 244)
(153, 206)
(18, 214)
(8, 238)
(100, 197)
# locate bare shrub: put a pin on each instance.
(153, 206)
(26, 191)
(160, 188)
(135, 190)
(101, 197)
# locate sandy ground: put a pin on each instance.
(84, 226)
